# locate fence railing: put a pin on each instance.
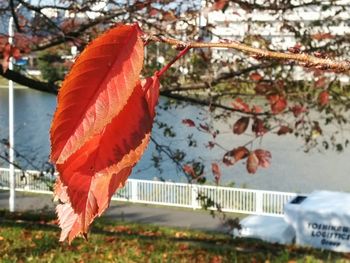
(193, 196)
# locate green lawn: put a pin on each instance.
(34, 237)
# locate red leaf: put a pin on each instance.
(239, 104)
(204, 127)
(96, 90)
(262, 87)
(259, 127)
(263, 157)
(278, 103)
(6, 53)
(188, 169)
(284, 130)
(153, 12)
(321, 82)
(139, 5)
(216, 172)
(322, 36)
(169, 16)
(15, 52)
(101, 126)
(93, 173)
(296, 49)
(255, 77)
(256, 109)
(227, 159)
(188, 122)
(240, 153)
(297, 110)
(219, 5)
(252, 163)
(323, 98)
(235, 155)
(241, 125)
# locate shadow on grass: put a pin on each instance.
(109, 233)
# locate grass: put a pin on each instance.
(3, 81)
(34, 238)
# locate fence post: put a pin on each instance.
(259, 202)
(134, 194)
(194, 194)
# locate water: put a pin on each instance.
(291, 170)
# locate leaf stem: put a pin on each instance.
(167, 66)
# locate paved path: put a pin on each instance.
(157, 215)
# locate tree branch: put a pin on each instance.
(14, 15)
(302, 59)
(29, 82)
(209, 104)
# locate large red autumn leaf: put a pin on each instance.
(90, 176)
(101, 126)
(96, 89)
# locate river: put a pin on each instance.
(291, 168)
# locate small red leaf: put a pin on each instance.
(263, 157)
(228, 158)
(235, 155)
(322, 36)
(189, 122)
(278, 103)
(321, 82)
(240, 153)
(7, 49)
(252, 163)
(296, 49)
(153, 12)
(262, 87)
(256, 109)
(6, 53)
(239, 104)
(297, 110)
(255, 77)
(216, 172)
(5, 64)
(169, 16)
(258, 127)
(219, 5)
(323, 98)
(241, 125)
(284, 130)
(188, 169)
(15, 52)
(204, 127)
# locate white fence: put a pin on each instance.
(193, 196)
